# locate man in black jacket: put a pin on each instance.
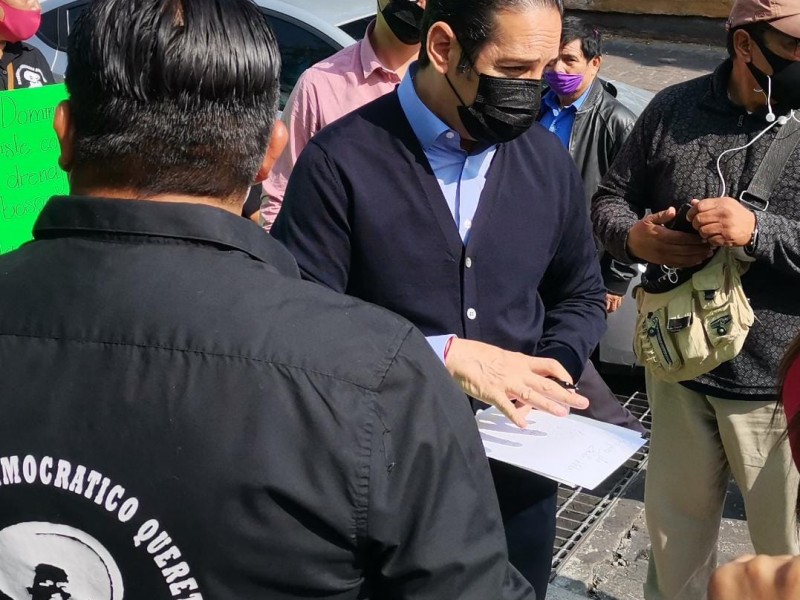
(182, 416)
(583, 112)
(21, 65)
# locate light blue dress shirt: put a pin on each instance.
(461, 176)
(560, 120)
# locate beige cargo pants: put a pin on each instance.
(697, 442)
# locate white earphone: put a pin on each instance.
(771, 114)
(771, 118)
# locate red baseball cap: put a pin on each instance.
(783, 15)
(791, 405)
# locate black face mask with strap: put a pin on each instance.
(404, 18)
(783, 86)
(504, 107)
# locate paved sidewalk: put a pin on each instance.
(611, 563)
(654, 65)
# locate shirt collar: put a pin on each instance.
(65, 216)
(11, 52)
(579, 102)
(426, 125)
(369, 59)
(551, 100)
(716, 97)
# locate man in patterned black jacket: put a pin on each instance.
(724, 421)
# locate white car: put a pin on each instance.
(307, 31)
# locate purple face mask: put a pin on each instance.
(563, 84)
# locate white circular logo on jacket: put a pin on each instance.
(47, 561)
(30, 77)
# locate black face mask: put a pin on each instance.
(784, 84)
(404, 18)
(504, 108)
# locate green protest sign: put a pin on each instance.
(29, 171)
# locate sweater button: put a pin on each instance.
(472, 314)
(468, 263)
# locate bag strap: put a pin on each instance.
(758, 193)
(10, 76)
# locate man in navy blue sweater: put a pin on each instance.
(441, 203)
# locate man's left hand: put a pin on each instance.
(722, 221)
(613, 302)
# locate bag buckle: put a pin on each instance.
(748, 198)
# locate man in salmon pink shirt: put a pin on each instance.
(343, 82)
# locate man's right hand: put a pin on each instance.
(500, 378)
(650, 241)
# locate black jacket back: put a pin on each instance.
(184, 418)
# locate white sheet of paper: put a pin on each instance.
(573, 450)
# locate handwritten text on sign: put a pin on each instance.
(29, 151)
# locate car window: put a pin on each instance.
(48, 30)
(299, 48)
(55, 29)
(357, 29)
(73, 13)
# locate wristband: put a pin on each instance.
(447, 348)
(750, 248)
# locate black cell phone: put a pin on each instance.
(679, 223)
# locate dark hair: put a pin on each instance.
(472, 21)
(755, 30)
(172, 96)
(591, 40)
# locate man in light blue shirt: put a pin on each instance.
(444, 202)
(461, 175)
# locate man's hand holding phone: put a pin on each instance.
(653, 240)
(723, 221)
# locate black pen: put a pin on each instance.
(565, 384)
